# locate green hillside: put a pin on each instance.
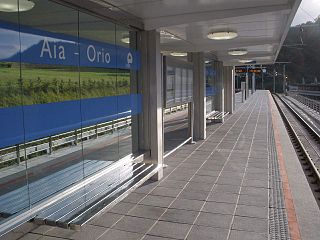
(38, 86)
(302, 49)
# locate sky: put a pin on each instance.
(308, 11)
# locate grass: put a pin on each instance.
(45, 85)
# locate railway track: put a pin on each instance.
(306, 142)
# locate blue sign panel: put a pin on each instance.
(43, 120)
(42, 47)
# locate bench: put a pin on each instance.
(216, 116)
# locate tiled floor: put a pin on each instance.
(214, 189)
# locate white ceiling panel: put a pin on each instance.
(261, 25)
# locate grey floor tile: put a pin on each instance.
(12, 236)
(250, 224)
(106, 220)
(167, 192)
(30, 236)
(243, 235)
(179, 177)
(203, 179)
(216, 207)
(157, 201)
(255, 183)
(214, 220)
(194, 195)
(122, 208)
(187, 204)
(133, 198)
(51, 238)
(207, 233)
(221, 188)
(145, 211)
(60, 232)
(252, 211)
(26, 227)
(146, 187)
(42, 229)
(223, 197)
(195, 186)
(149, 237)
(114, 234)
(190, 165)
(179, 216)
(254, 191)
(203, 172)
(172, 184)
(134, 224)
(230, 181)
(253, 200)
(88, 232)
(170, 230)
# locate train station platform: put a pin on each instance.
(244, 181)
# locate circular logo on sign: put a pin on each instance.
(129, 58)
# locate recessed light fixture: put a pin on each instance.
(237, 52)
(167, 35)
(178, 54)
(125, 39)
(245, 60)
(222, 35)
(13, 6)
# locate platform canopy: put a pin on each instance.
(261, 25)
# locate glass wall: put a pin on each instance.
(68, 96)
(210, 88)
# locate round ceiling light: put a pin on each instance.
(178, 54)
(125, 40)
(237, 52)
(222, 35)
(167, 35)
(13, 6)
(245, 61)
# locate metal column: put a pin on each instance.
(199, 95)
(150, 76)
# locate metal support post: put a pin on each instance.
(247, 85)
(191, 121)
(150, 78)
(262, 79)
(50, 145)
(18, 153)
(274, 79)
(284, 86)
(243, 91)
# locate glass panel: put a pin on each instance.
(98, 80)
(49, 46)
(128, 99)
(210, 88)
(13, 177)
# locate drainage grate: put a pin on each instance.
(278, 221)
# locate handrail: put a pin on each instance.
(49, 144)
(20, 152)
(314, 105)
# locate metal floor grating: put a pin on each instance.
(278, 221)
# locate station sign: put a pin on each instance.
(43, 47)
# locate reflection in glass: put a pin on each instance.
(98, 94)
(126, 87)
(68, 99)
(50, 94)
(14, 196)
(210, 88)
